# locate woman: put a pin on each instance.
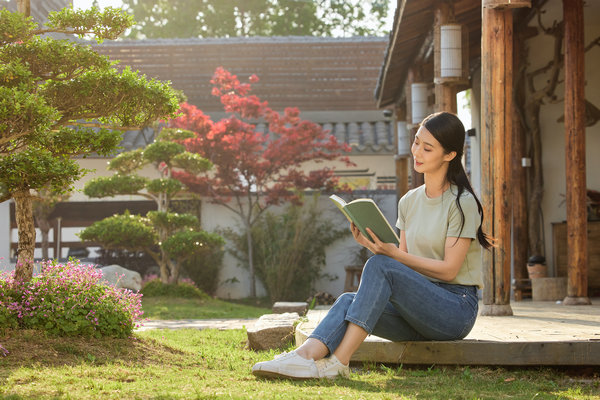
(423, 289)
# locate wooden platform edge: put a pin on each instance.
(475, 352)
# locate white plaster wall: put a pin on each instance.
(553, 132)
(339, 255)
(476, 124)
(4, 235)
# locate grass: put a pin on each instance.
(210, 364)
(194, 308)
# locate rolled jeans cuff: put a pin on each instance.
(360, 323)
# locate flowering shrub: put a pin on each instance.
(152, 286)
(69, 300)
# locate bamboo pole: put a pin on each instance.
(575, 154)
(496, 67)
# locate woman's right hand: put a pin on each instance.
(359, 237)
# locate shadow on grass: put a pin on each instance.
(27, 348)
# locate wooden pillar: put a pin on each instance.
(575, 144)
(414, 75)
(496, 138)
(445, 93)
(401, 160)
(520, 241)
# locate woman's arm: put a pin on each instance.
(447, 269)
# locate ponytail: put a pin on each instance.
(450, 132)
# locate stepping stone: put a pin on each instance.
(290, 307)
(272, 331)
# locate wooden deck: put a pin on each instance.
(539, 333)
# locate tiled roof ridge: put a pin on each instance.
(238, 40)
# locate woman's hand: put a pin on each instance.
(376, 246)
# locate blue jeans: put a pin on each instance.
(396, 303)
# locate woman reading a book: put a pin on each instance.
(425, 288)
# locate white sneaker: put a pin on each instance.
(331, 368)
(287, 365)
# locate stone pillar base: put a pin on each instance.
(576, 301)
(499, 310)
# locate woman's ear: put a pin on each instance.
(449, 156)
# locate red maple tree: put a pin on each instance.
(252, 169)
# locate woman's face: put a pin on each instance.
(428, 154)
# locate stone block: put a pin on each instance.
(548, 289)
(272, 331)
(120, 277)
(290, 307)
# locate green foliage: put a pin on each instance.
(175, 134)
(155, 288)
(217, 18)
(289, 250)
(52, 93)
(185, 244)
(69, 300)
(14, 28)
(113, 185)
(124, 231)
(172, 222)
(204, 268)
(191, 162)
(175, 236)
(162, 151)
(8, 319)
(79, 140)
(35, 116)
(168, 186)
(109, 23)
(35, 167)
(127, 162)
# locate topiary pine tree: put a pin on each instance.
(169, 238)
(59, 99)
(255, 170)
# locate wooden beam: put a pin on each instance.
(575, 153)
(496, 87)
(504, 4)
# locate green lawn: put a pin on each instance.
(210, 364)
(194, 308)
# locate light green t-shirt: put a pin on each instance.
(427, 222)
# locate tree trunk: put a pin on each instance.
(26, 231)
(24, 7)
(251, 259)
(44, 226)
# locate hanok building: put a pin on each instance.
(532, 70)
(330, 80)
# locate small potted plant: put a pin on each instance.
(536, 267)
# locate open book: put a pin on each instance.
(365, 214)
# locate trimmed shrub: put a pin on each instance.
(185, 289)
(69, 300)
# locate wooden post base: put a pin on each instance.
(499, 310)
(576, 301)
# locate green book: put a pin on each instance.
(365, 214)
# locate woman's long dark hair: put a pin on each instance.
(450, 132)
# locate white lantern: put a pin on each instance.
(403, 139)
(451, 51)
(419, 103)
